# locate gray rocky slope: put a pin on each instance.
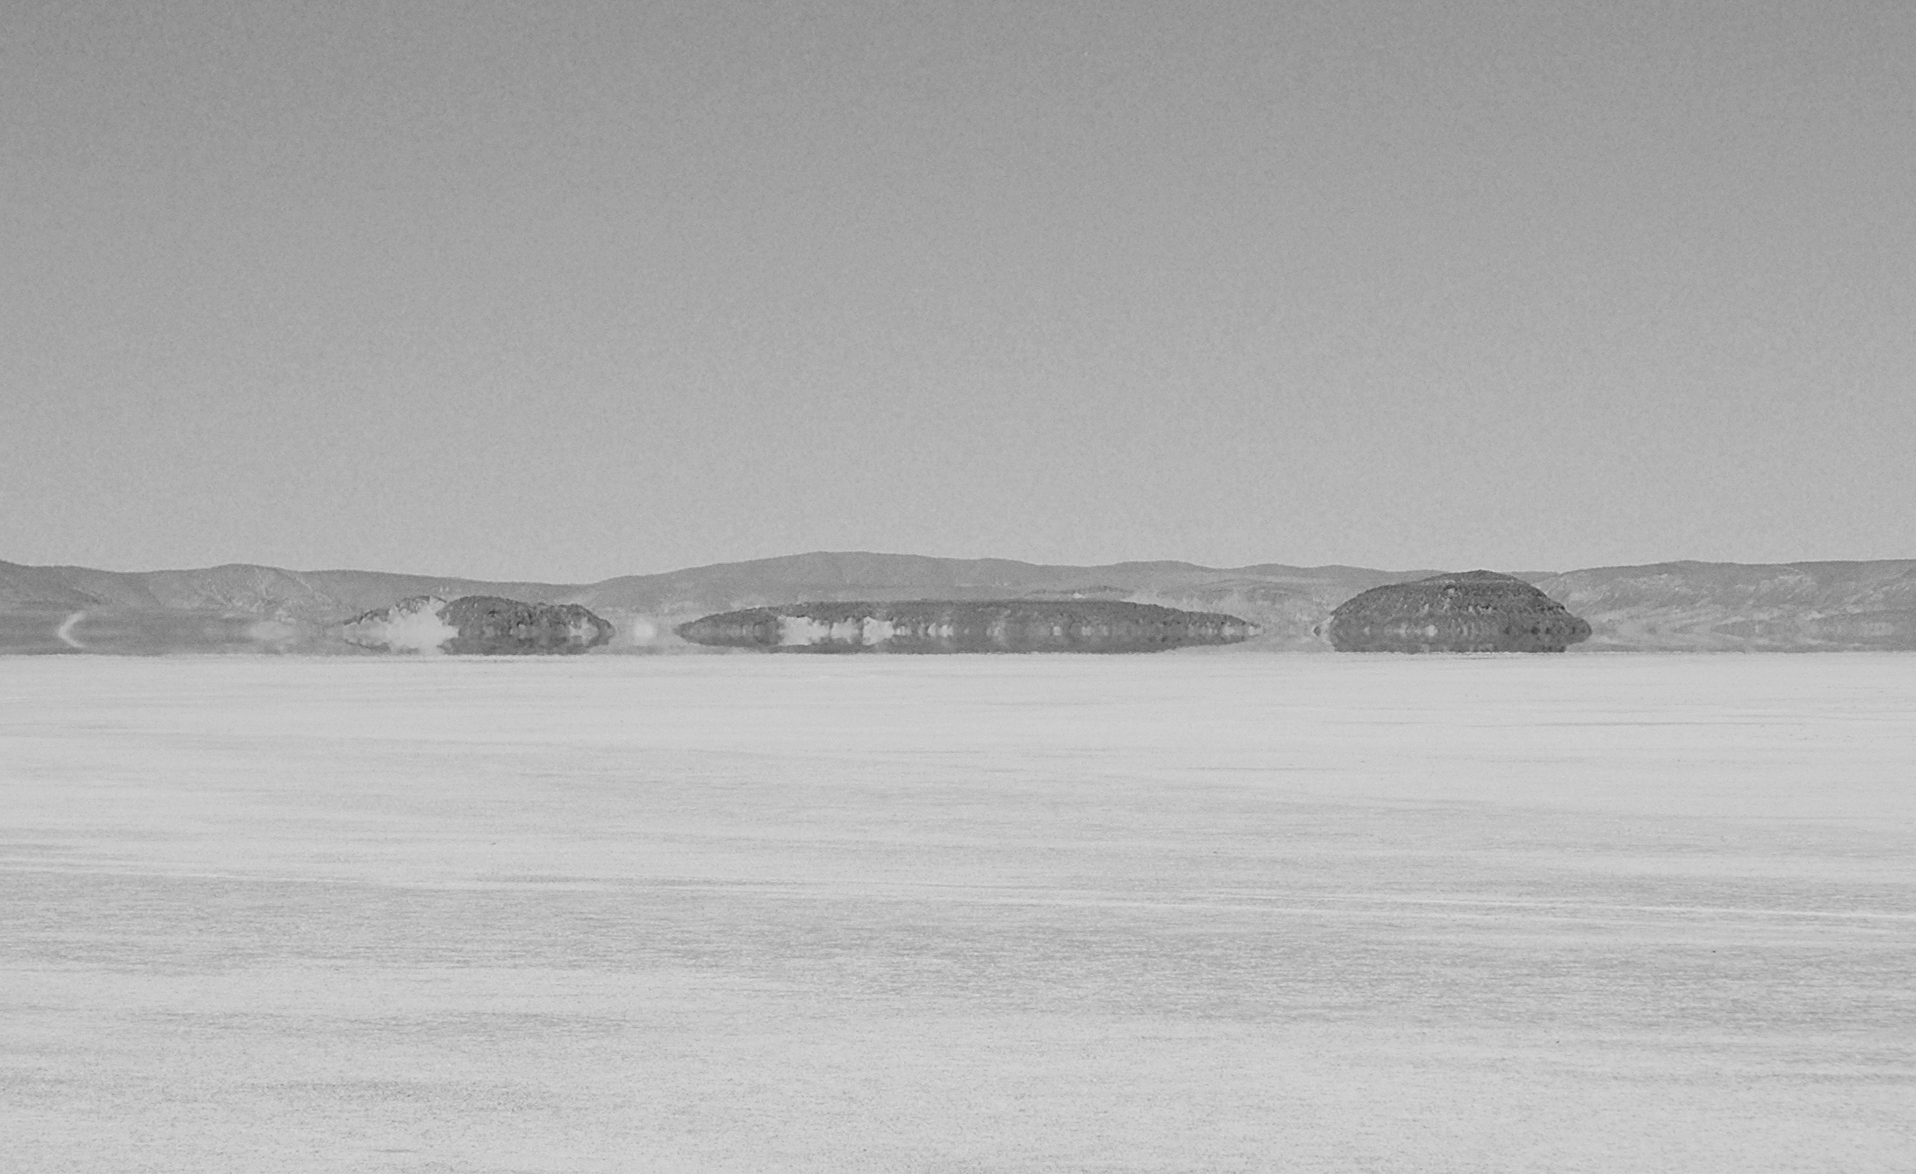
(1669, 606)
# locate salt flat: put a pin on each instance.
(1197, 911)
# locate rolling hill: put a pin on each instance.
(1690, 606)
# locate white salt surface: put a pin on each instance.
(1197, 911)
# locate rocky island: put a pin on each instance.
(935, 626)
(484, 625)
(1477, 611)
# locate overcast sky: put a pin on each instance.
(566, 291)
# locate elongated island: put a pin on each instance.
(935, 626)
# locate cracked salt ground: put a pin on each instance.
(1184, 912)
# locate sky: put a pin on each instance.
(569, 291)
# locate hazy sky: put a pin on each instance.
(574, 290)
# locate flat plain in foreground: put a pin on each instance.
(1194, 912)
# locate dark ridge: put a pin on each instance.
(946, 626)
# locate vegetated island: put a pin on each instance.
(1477, 611)
(482, 625)
(944, 626)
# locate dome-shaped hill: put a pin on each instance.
(1477, 611)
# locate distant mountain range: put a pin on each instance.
(1686, 606)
